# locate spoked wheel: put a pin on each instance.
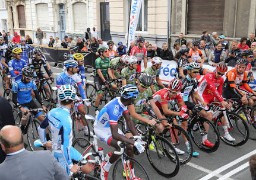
(198, 129)
(180, 139)
(46, 91)
(78, 127)
(91, 93)
(163, 157)
(32, 135)
(124, 170)
(237, 128)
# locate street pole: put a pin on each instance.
(169, 23)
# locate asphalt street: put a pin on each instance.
(226, 163)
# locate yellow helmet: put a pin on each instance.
(17, 50)
(78, 56)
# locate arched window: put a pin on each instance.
(80, 17)
(21, 16)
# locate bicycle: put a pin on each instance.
(44, 88)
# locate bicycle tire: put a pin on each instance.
(241, 137)
(82, 176)
(91, 93)
(174, 136)
(168, 154)
(32, 134)
(78, 127)
(118, 170)
(43, 91)
(9, 98)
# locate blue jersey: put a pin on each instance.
(81, 72)
(3, 47)
(24, 91)
(110, 114)
(26, 51)
(75, 80)
(15, 68)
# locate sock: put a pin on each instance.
(204, 137)
(225, 129)
(107, 166)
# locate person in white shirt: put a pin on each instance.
(94, 33)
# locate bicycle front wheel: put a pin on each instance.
(129, 170)
(91, 93)
(163, 156)
(32, 135)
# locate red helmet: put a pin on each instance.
(222, 67)
(175, 84)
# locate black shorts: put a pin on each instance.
(191, 106)
(227, 94)
(32, 105)
(98, 83)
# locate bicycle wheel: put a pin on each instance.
(238, 129)
(180, 139)
(91, 93)
(197, 129)
(163, 158)
(32, 134)
(124, 170)
(80, 144)
(17, 114)
(78, 127)
(8, 96)
(46, 90)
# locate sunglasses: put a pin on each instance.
(195, 72)
(105, 51)
(28, 78)
(251, 56)
(76, 67)
(174, 92)
(221, 74)
(19, 54)
(145, 87)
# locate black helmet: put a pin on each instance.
(241, 61)
(27, 71)
(140, 39)
(246, 53)
(37, 51)
(146, 80)
(183, 51)
(195, 43)
(10, 46)
(110, 42)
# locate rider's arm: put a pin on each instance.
(41, 130)
(217, 93)
(145, 59)
(156, 109)
(101, 75)
(159, 82)
(231, 83)
(11, 69)
(4, 63)
(130, 123)
(66, 146)
(38, 97)
(82, 74)
(137, 116)
(110, 73)
(167, 111)
(98, 70)
(47, 68)
(15, 93)
(117, 136)
(245, 83)
(123, 77)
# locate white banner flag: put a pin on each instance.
(134, 17)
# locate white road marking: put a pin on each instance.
(227, 166)
(233, 172)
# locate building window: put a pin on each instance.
(2, 4)
(21, 16)
(80, 17)
(143, 19)
(42, 16)
(205, 16)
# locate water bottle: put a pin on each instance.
(101, 153)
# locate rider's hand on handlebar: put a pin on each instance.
(75, 168)
(44, 108)
(139, 146)
(24, 110)
(225, 105)
(48, 145)
(152, 122)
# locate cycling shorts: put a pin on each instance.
(191, 106)
(105, 135)
(32, 105)
(98, 84)
(230, 95)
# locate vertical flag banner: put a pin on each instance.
(134, 17)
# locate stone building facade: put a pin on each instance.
(3, 16)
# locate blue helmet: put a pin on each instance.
(66, 92)
(70, 63)
(129, 91)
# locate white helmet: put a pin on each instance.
(156, 60)
(66, 92)
(124, 57)
(131, 60)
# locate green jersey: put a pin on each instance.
(129, 75)
(141, 100)
(103, 65)
(150, 71)
(116, 66)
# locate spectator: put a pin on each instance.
(165, 53)
(146, 44)
(189, 44)
(94, 45)
(57, 43)
(224, 43)
(176, 48)
(5, 37)
(206, 52)
(28, 164)
(217, 56)
(16, 38)
(132, 44)
(252, 163)
(85, 48)
(207, 38)
(215, 38)
(79, 44)
(121, 50)
(64, 42)
(102, 43)
(253, 46)
(28, 39)
(71, 42)
(150, 52)
(233, 55)
(111, 52)
(251, 39)
(6, 118)
(181, 39)
(51, 42)
(39, 36)
(242, 45)
(88, 34)
(140, 52)
(94, 33)
(9, 36)
(156, 49)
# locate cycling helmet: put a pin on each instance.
(131, 60)
(17, 50)
(74, 49)
(175, 84)
(70, 63)
(156, 60)
(222, 67)
(195, 43)
(11, 46)
(110, 42)
(66, 92)
(78, 56)
(140, 39)
(241, 61)
(193, 65)
(146, 80)
(101, 50)
(28, 72)
(37, 51)
(123, 58)
(183, 51)
(129, 91)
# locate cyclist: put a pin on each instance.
(3, 47)
(111, 52)
(191, 97)
(22, 96)
(61, 127)
(182, 63)
(116, 65)
(129, 74)
(103, 73)
(79, 57)
(236, 84)
(140, 52)
(106, 126)
(70, 77)
(26, 49)
(210, 89)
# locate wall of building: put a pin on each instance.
(3, 16)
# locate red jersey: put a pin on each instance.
(163, 97)
(139, 53)
(210, 87)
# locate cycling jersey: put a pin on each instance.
(36, 65)
(15, 67)
(150, 71)
(81, 72)
(103, 65)
(116, 65)
(7, 55)
(210, 87)
(182, 62)
(3, 47)
(140, 54)
(64, 78)
(189, 86)
(141, 100)
(233, 82)
(195, 55)
(163, 97)
(129, 75)
(26, 50)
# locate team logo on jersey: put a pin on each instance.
(132, 77)
(116, 110)
(140, 102)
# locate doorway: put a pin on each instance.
(105, 21)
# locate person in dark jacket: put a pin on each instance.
(150, 52)
(181, 40)
(233, 55)
(165, 53)
(121, 50)
(51, 42)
